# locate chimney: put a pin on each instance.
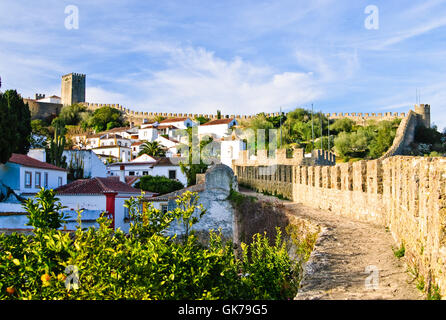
(122, 173)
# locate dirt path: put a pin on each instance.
(344, 251)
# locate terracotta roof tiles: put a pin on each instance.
(26, 161)
(96, 185)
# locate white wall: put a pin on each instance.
(88, 202)
(148, 134)
(93, 166)
(230, 150)
(38, 154)
(164, 171)
(219, 130)
(53, 179)
(118, 152)
(138, 170)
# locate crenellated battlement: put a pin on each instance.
(138, 116)
(405, 194)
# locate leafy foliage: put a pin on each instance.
(158, 184)
(15, 125)
(153, 149)
(143, 264)
(45, 212)
(105, 118)
(369, 142)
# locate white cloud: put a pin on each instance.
(195, 80)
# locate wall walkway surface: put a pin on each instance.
(405, 194)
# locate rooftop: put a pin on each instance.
(26, 161)
(96, 185)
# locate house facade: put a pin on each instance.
(26, 175)
(147, 165)
(217, 128)
(96, 197)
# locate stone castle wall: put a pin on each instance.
(137, 117)
(42, 110)
(405, 194)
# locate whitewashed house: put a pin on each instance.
(148, 133)
(136, 148)
(119, 153)
(147, 165)
(230, 150)
(111, 139)
(217, 128)
(167, 143)
(52, 99)
(26, 175)
(92, 164)
(97, 196)
(180, 123)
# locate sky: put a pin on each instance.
(240, 57)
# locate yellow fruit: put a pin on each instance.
(61, 277)
(45, 277)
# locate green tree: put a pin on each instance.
(342, 125)
(74, 114)
(153, 149)
(15, 125)
(202, 120)
(103, 116)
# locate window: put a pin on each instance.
(164, 208)
(131, 173)
(45, 179)
(60, 181)
(37, 180)
(172, 174)
(28, 179)
(145, 173)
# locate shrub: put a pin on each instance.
(143, 264)
(159, 184)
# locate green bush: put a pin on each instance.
(100, 263)
(159, 184)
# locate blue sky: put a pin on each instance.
(241, 57)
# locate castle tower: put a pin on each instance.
(73, 88)
(424, 112)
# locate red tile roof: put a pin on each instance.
(26, 161)
(96, 185)
(218, 121)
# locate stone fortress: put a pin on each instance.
(73, 88)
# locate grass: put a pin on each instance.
(434, 293)
(237, 198)
(399, 253)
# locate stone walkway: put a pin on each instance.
(344, 251)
